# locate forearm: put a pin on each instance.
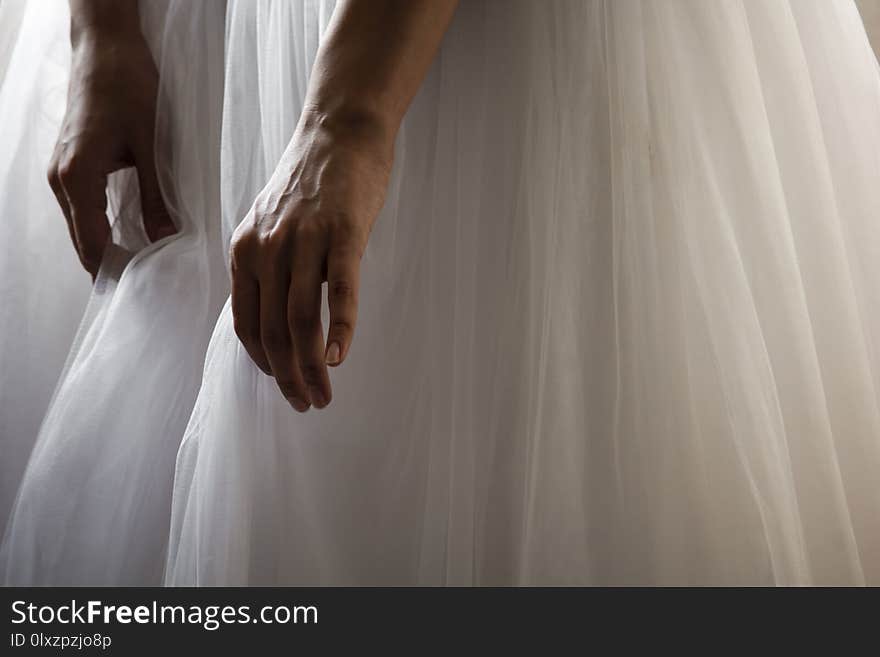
(105, 17)
(372, 62)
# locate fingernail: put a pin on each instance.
(317, 397)
(298, 404)
(333, 354)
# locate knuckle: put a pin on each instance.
(341, 325)
(239, 249)
(234, 259)
(69, 169)
(342, 290)
(271, 250)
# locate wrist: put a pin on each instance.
(90, 30)
(353, 125)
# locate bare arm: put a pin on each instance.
(102, 17)
(312, 220)
(373, 60)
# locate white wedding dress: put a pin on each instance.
(619, 318)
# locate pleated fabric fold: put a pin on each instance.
(618, 319)
(93, 505)
(43, 289)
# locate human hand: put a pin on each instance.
(109, 125)
(310, 224)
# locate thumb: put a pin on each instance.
(157, 221)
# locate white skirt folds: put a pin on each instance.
(619, 318)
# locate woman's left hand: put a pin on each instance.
(310, 224)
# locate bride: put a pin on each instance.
(575, 292)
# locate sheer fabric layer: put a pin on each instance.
(93, 505)
(618, 319)
(42, 286)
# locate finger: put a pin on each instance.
(246, 317)
(276, 339)
(85, 188)
(61, 197)
(343, 276)
(304, 316)
(157, 221)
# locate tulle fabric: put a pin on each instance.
(43, 288)
(618, 317)
(93, 506)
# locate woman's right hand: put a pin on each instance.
(109, 125)
(310, 224)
